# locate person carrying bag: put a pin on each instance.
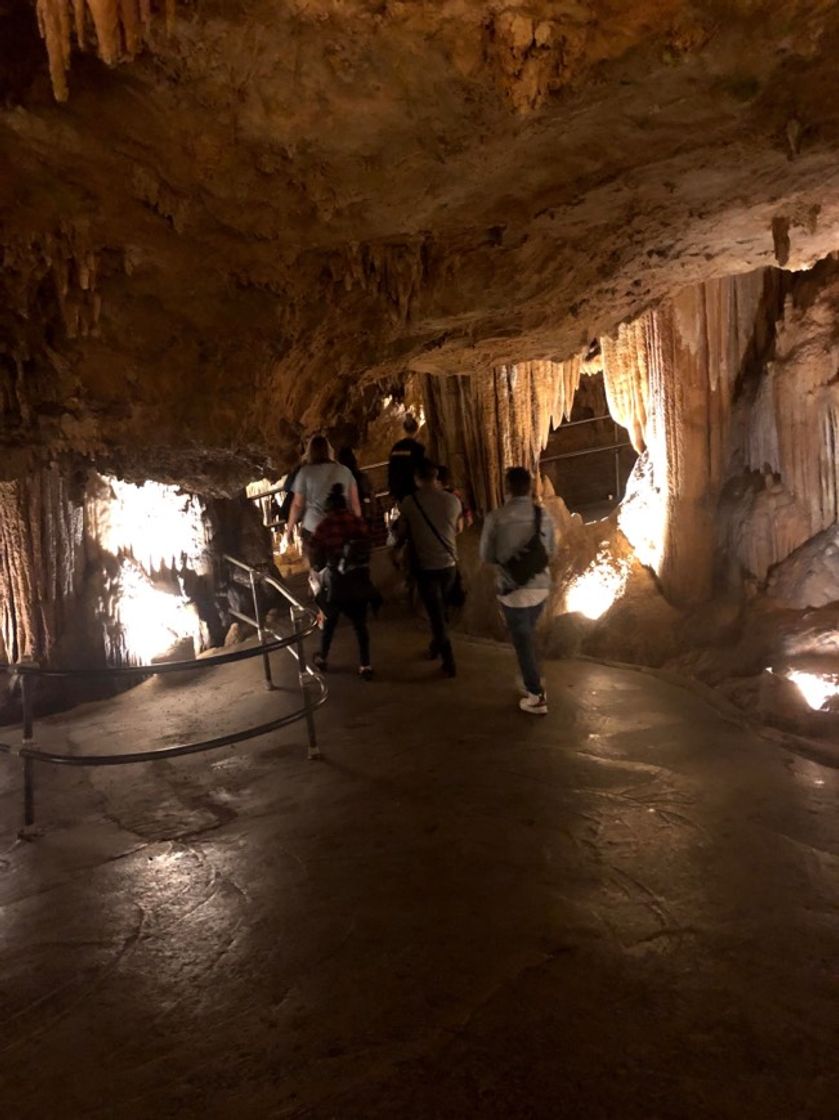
(430, 520)
(340, 553)
(520, 539)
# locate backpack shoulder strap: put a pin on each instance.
(433, 528)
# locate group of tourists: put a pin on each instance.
(518, 540)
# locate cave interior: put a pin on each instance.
(597, 239)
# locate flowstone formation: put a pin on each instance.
(245, 217)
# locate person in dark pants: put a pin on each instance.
(430, 520)
(406, 456)
(340, 550)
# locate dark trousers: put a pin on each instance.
(434, 588)
(521, 622)
(357, 614)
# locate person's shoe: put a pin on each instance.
(534, 705)
(433, 652)
(319, 662)
(366, 672)
(449, 669)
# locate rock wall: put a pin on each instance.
(96, 571)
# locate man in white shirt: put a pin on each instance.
(519, 539)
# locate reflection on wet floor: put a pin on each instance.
(627, 909)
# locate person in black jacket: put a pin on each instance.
(406, 457)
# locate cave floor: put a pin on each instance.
(628, 909)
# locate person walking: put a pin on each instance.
(429, 522)
(346, 457)
(313, 484)
(340, 550)
(520, 539)
(406, 457)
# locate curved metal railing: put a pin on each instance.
(313, 690)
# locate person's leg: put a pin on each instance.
(330, 624)
(432, 588)
(357, 614)
(521, 622)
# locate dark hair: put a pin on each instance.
(336, 498)
(519, 482)
(318, 450)
(426, 471)
(444, 475)
(346, 457)
(410, 425)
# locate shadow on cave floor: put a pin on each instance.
(627, 909)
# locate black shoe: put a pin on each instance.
(366, 672)
(319, 662)
(449, 669)
(433, 652)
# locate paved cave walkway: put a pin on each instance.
(627, 910)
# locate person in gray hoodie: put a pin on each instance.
(520, 539)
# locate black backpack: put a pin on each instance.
(531, 559)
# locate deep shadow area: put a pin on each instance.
(627, 909)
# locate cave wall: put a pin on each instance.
(41, 563)
(97, 571)
(236, 226)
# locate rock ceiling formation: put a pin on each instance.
(224, 220)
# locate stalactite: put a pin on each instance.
(626, 375)
(671, 379)
(120, 27)
(40, 535)
(66, 256)
(792, 435)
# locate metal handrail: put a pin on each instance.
(312, 686)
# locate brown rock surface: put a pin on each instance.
(223, 240)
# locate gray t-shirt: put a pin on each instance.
(314, 481)
(443, 510)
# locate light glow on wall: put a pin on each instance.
(152, 620)
(150, 535)
(816, 688)
(594, 591)
(154, 523)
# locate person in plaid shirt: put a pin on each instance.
(340, 548)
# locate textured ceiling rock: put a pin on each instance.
(226, 238)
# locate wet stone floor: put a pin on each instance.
(629, 909)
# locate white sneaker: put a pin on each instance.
(534, 705)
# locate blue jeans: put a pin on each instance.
(521, 622)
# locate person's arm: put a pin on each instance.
(355, 504)
(298, 507)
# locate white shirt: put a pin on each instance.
(525, 597)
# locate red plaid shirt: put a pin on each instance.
(336, 529)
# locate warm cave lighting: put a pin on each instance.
(818, 689)
(153, 620)
(592, 593)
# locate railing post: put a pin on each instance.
(28, 738)
(305, 679)
(257, 614)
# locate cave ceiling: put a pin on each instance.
(236, 222)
